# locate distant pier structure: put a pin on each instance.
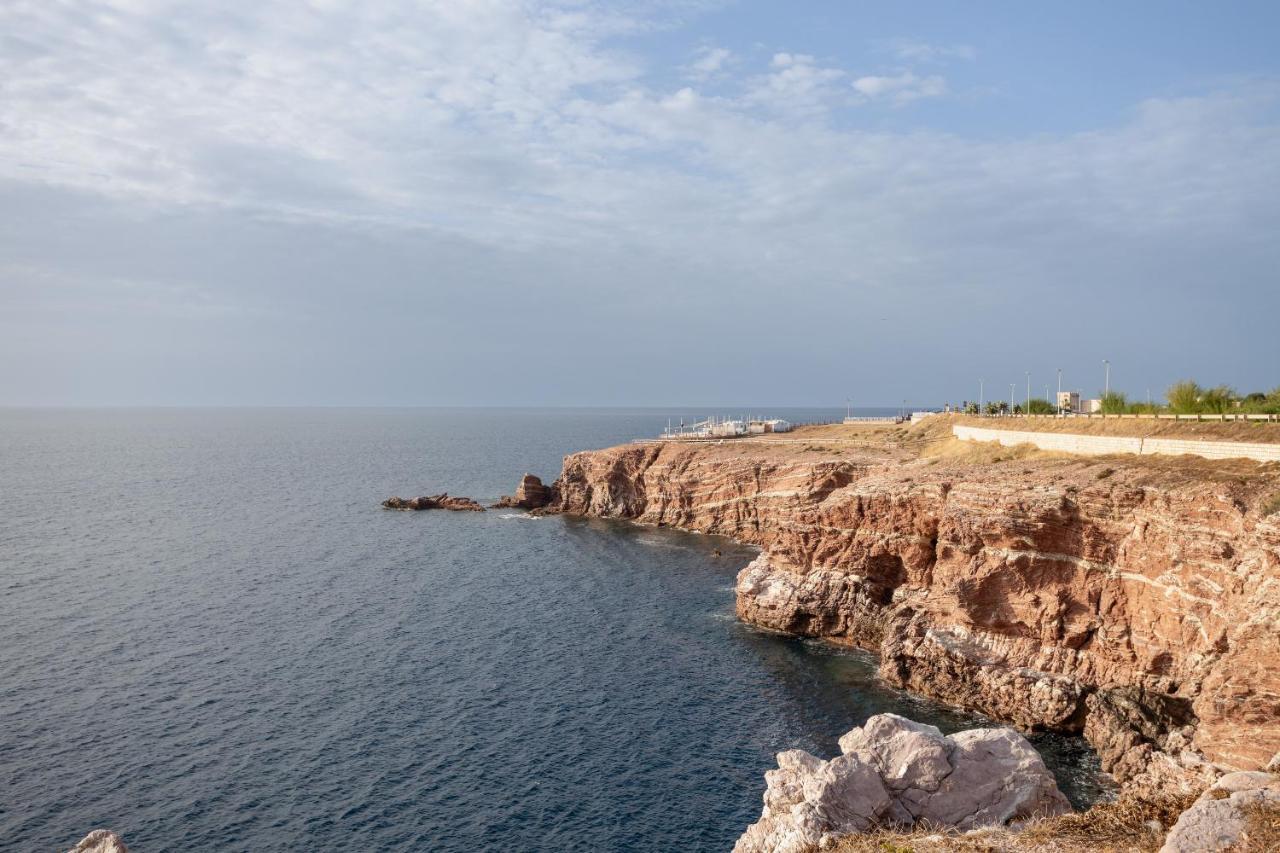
(714, 427)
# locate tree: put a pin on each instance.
(1184, 397)
(1038, 406)
(1218, 400)
(1114, 403)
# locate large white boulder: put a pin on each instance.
(896, 771)
(100, 841)
(1217, 820)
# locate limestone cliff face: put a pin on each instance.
(1138, 603)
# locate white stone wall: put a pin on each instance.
(1098, 445)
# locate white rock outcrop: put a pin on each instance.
(1217, 820)
(896, 771)
(100, 841)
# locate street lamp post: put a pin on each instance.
(1059, 406)
(1012, 386)
(981, 397)
(1106, 382)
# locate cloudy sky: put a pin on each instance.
(648, 203)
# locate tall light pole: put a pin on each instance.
(1012, 386)
(981, 397)
(1106, 382)
(1059, 406)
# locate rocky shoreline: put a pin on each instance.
(1136, 603)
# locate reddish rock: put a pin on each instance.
(1141, 608)
(443, 501)
(530, 494)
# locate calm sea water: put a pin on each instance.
(213, 637)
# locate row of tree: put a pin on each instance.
(1190, 398)
(1183, 398)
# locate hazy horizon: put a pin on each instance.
(577, 203)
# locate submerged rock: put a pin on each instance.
(898, 772)
(530, 494)
(442, 501)
(100, 841)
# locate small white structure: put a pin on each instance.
(1090, 407)
(759, 426)
(728, 428)
(917, 417)
(710, 428)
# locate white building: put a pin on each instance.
(759, 426)
(1069, 401)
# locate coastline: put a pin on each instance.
(1122, 599)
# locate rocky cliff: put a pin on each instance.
(1137, 602)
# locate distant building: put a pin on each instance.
(759, 426)
(1091, 407)
(917, 417)
(1069, 401)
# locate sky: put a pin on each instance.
(657, 202)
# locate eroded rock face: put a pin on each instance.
(100, 841)
(1218, 820)
(441, 501)
(1141, 608)
(896, 771)
(530, 494)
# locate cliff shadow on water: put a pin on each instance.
(790, 692)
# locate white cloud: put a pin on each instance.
(796, 84)
(901, 88)
(517, 131)
(917, 51)
(709, 62)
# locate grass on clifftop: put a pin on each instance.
(1125, 826)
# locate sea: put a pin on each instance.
(212, 637)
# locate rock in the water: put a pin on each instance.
(100, 841)
(1219, 819)
(530, 494)
(442, 501)
(896, 771)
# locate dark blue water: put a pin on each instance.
(212, 637)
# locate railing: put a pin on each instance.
(1233, 416)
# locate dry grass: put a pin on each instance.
(1261, 828)
(1125, 826)
(951, 449)
(1272, 506)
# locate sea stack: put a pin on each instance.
(530, 494)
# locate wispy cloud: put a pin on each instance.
(901, 88)
(497, 143)
(709, 62)
(909, 50)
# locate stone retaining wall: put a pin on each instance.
(1098, 445)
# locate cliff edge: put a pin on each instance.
(1135, 601)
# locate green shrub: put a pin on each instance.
(1114, 403)
(1184, 397)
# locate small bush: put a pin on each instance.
(1105, 473)
(1272, 506)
